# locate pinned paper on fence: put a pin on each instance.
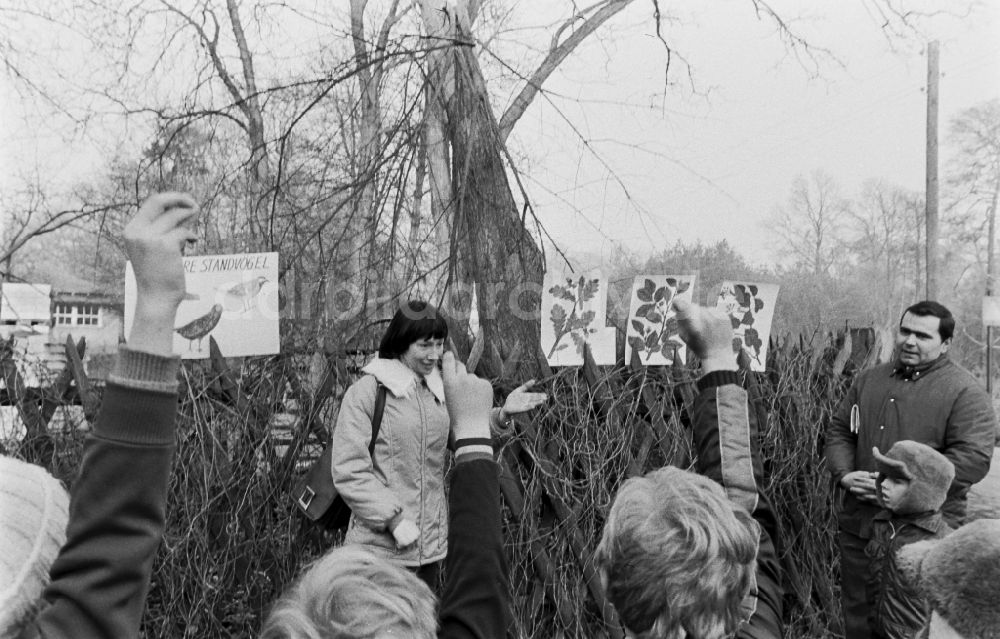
(652, 331)
(750, 307)
(573, 313)
(232, 298)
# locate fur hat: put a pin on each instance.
(929, 472)
(960, 576)
(34, 509)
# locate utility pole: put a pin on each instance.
(990, 267)
(931, 195)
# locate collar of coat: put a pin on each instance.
(400, 379)
(932, 521)
(918, 371)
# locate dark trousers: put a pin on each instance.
(853, 585)
(430, 574)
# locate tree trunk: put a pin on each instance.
(491, 237)
(456, 280)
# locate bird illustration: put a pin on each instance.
(198, 329)
(245, 294)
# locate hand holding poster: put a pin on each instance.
(652, 325)
(751, 309)
(232, 298)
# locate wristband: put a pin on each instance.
(481, 446)
(718, 378)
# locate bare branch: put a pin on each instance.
(558, 51)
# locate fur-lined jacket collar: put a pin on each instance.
(400, 379)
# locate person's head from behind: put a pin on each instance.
(415, 336)
(34, 509)
(924, 334)
(959, 576)
(677, 556)
(350, 593)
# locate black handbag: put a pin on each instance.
(316, 496)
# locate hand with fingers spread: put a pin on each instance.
(709, 333)
(468, 399)
(154, 240)
(520, 400)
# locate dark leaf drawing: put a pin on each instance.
(653, 327)
(743, 303)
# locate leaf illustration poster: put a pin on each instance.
(751, 309)
(573, 312)
(652, 323)
(233, 298)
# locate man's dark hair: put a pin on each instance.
(414, 321)
(929, 308)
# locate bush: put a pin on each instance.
(234, 541)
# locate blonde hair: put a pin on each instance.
(350, 593)
(677, 556)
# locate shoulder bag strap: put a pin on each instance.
(377, 416)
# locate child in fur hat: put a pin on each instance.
(960, 576)
(913, 481)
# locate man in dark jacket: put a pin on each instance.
(923, 396)
(693, 554)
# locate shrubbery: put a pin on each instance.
(234, 540)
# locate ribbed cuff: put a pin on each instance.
(145, 371)
(469, 448)
(718, 378)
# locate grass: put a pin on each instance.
(233, 540)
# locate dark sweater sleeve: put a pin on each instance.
(118, 507)
(476, 599)
(727, 441)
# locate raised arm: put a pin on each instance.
(727, 441)
(118, 506)
(476, 598)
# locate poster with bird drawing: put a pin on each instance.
(750, 307)
(232, 298)
(573, 314)
(652, 331)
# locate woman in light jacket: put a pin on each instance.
(397, 493)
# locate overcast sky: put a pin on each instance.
(709, 168)
(612, 155)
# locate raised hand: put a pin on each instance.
(154, 240)
(708, 332)
(468, 398)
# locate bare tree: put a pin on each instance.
(884, 239)
(974, 175)
(811, 222)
